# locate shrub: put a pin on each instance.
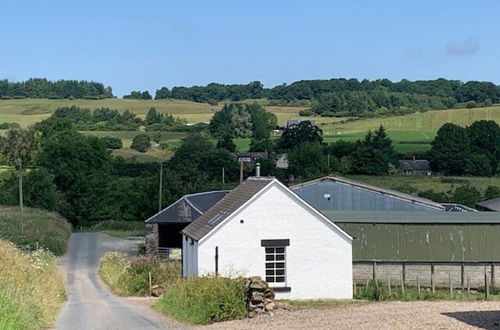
(131, 277)
(205, 299)
(31, 289)
(141, 143)
(50, 230)
(306, 112)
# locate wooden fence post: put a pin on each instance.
(432, 279)
(418, 287)
(402, 286)
(486, 288)
(468, 285)
(389, 284)
(492, 275)
(150, 280)
(450, 284)
(216, 261)
(354, 289)
(374, 273)
(462, 275)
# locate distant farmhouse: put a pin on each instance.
(489, 205)
(292, 122)
(250, 157)
(282, 161)
(415, 167)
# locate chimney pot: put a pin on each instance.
(257, 169)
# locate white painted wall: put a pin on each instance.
(319, 258)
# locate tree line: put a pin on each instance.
(105, 119)
(60, 89)
(342, 97)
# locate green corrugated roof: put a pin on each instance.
(413, 217)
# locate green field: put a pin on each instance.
(29, 111)
(409, 133)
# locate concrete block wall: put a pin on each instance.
(443, 273)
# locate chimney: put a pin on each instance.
(257, 169)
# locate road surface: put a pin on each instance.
(90, 305)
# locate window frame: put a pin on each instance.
(276, 244)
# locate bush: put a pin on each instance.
(141, 143)
(31, 289)
(50, 230)
(205, 299)
(306, 112)
(131, 277)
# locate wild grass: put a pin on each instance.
(49, 229)
(202, 300)
(131, 277)
(31, 289)
(119, 228)
(380, 291)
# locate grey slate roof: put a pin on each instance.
(490, 204)
(226, 206)
(376, 189)
(188, 208)
(453, 207)
(414, 165)
(397, 217)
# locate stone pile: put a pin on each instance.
(260, 297)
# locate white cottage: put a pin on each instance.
(262, 228)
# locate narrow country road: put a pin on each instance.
(90, 306)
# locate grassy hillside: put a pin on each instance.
(50, 230)
(412, 132)
(29, 111)
(31, 289)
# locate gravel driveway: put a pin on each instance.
(384, 315)
(90, 306)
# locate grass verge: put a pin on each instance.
(380, 291)
(31, 288)
(49, 229)
(203, 300)
(131, 277)
(119, 228)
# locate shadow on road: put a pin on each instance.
(480, 319)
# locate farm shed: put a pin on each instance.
(415, 243)
(163, 230)
(489, 205)
(262, 228)
(415, 167)
(341, 194)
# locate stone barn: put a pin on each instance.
(163, 230)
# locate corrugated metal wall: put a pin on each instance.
(424, 242)
(329, 195)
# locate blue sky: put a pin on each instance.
(143, 45)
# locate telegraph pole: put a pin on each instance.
(160, 187)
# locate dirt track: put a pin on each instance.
(90, 306)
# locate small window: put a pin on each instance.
(275, 264)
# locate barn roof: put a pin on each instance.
(490, 204)
(188, 208)
(226, 206)
(397, 217)
(376, 189)
(453, 207)
(414, 165)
